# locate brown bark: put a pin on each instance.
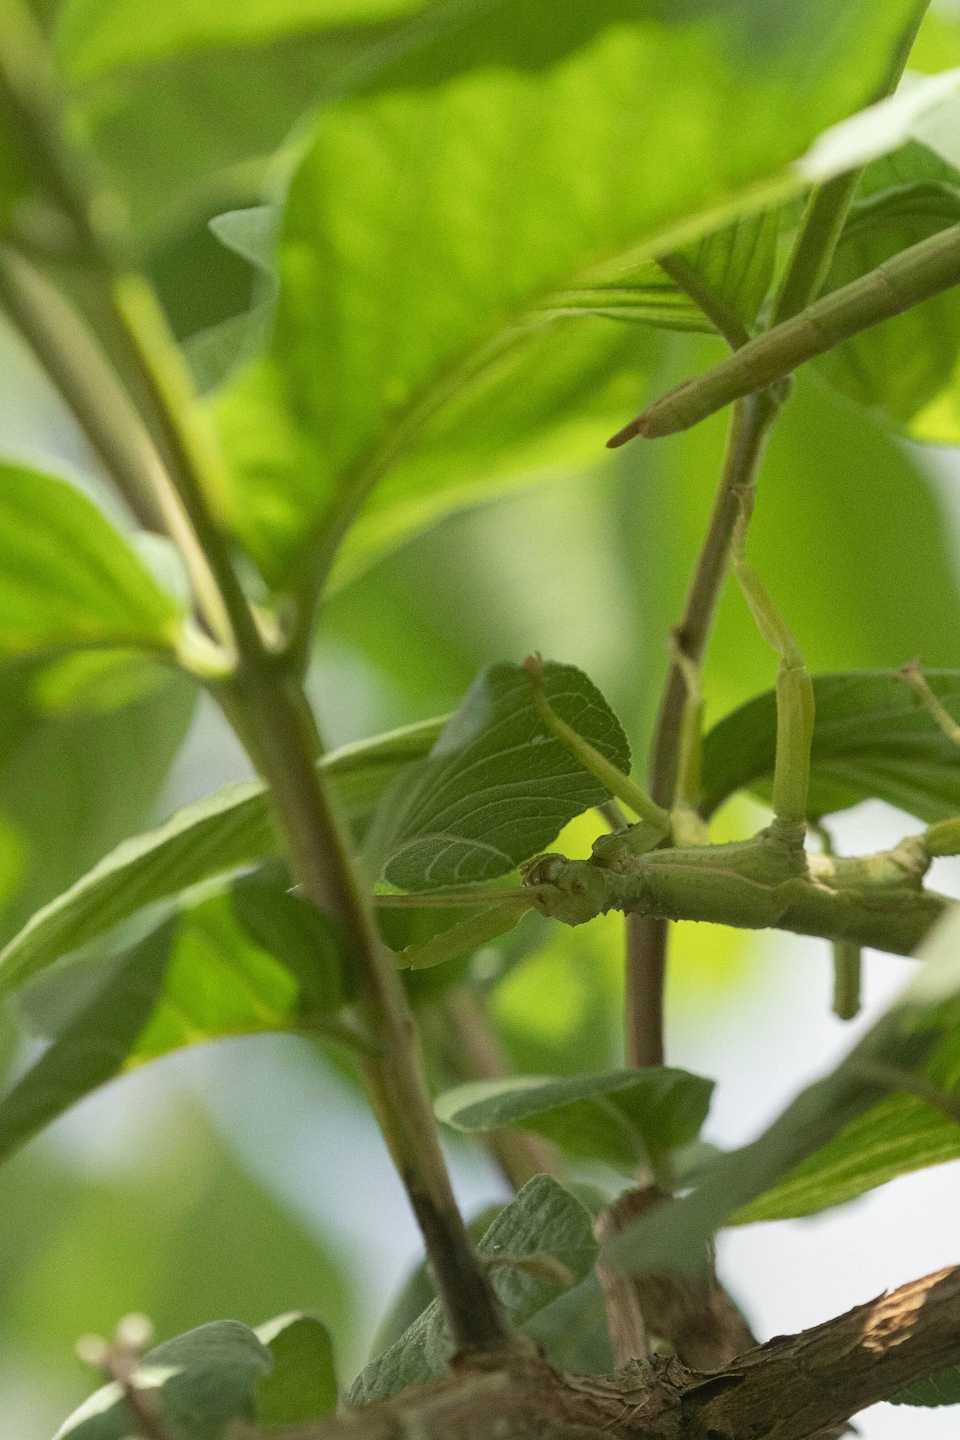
(792, 1388)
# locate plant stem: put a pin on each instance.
(647, 935)
(271, 714)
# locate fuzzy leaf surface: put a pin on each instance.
(626, 1118)
(544, 1220)
(203, 1381)
(497, 787)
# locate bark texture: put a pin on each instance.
(792, 1388)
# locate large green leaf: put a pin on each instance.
(628, 1117)
(544, 1223)
(229, 830)
(93, 36)
(67, 579)
(413, 318)
(497, 786)
(202, 1382)
(911, 1037)
(872, 738)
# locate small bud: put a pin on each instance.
(94, 1351)
(135, 1332)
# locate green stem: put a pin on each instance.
(727, 321)
(815, 245)
(910, 277)
(647, 934)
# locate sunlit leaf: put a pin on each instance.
(497, 787)
(67, 579)
(903, 364)
(626, 1118)
(544, 1220)
(402, 346)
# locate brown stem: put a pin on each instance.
(479, 1056)
(647, 936)
(793, 1388)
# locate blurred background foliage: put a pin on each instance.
(147, 1198)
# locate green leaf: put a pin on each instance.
(94, 756)
(429, 345)
(942, 1389)
(92, 1047)
(93, 37)
(872, 738)
(573, 1333)
(903, 364)
(544, 1220)
(463, 937)
(923, 1021)
(899, 1135)
(627, 1118)
(227, 831)
(302, 1386)
(198, 977)
(67, 579)
(202, 1382)
(497, 787)
(734, 266)
(306, 941)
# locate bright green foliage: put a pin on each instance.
(95, 37)
(545, 1224)
(227, 831)
(900, 365)
(872, 738)
(497, 786)
(734, 265)
(627, 1118)
(403, 347)
(203, 1381)
(67, 579)
(942, 1389)
(911, 1035)
(302, 1386)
